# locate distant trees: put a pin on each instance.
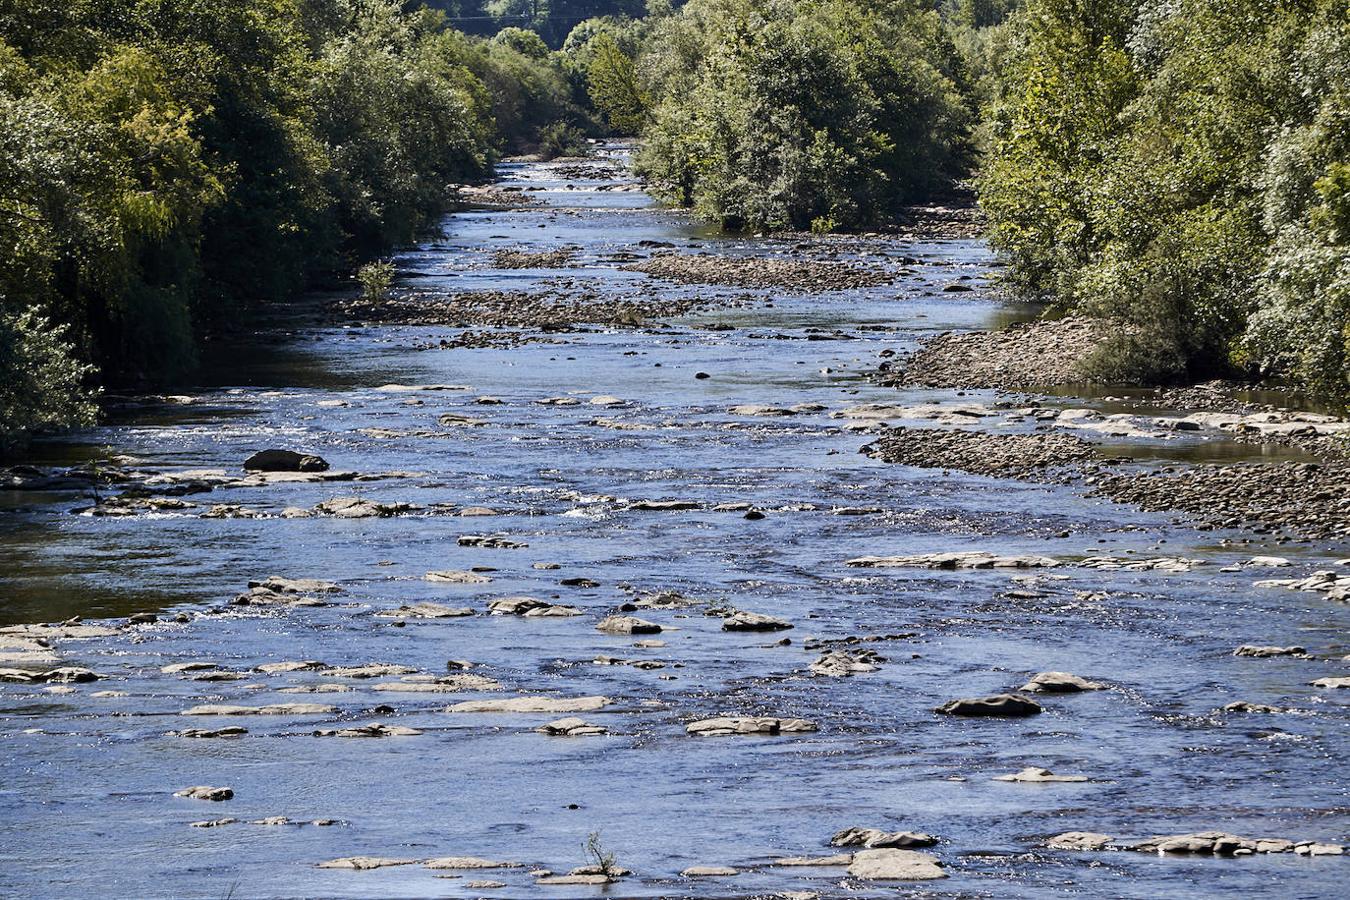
(802, 113)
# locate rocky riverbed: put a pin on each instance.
(612, 565)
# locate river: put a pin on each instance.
(86, 801)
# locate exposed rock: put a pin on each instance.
(627, 625)
(284, 461)
(365, 862)
(1031, 354)
(62, 675)
(176, 668)
(1331, 683)
(468, 862)
(528, 704)
(1079, 840)
(729, 725)
(895, 865)
(571, 727)
(426, 611)
(663, 505)
(872, 838)
(373, 730)
(1219, 843)
(231, 731)
(839, 859)
(1038, 775)
(369, 670)
(277, 584)
(454, 577)
(996, 705)
(974, 559)
(709, 872)
(752, 621)
(306, 665)
(845, 663)
(205, 792)
(490, 542)
(529, 606)
(1243, 706)
(274, 709)
(362, 508)
(444, 684)
(1263, 652)
(574, 879)
(1059, 683)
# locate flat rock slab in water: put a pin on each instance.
(205, 792)
(1059, 683)
(709, 872)
(732, 725)
(895, 865)
(752, 621)
(571, 727)
(977, 559)
(273, 709)
(627, 625)
(1038, 775)
(532, 705)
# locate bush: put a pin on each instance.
(41, 382)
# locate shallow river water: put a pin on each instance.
(86, 797)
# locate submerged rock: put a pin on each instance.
(838, 859)
(895, 865)
(996, 705)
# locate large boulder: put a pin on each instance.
(285, 461)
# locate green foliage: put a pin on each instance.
(560, 139)
(599, 857)
(780, 113)
(1179, 166)
(41, 383)
(375, 278)
(613, 87)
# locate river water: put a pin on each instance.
(86, 805)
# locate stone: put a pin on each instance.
(213, 823)
(279, 585)
(362, 863)
(426, 611)
(1039, 775)
(62, 675)
(627, 625)
(450, 576)
(1243, 706)
(895, 865)
(444, 684)
(274, 709)
(663, 505)
(1332, 683)
(1059, 683)
(230, 731)
(529, 606)
(845, 663)
(839, 859)
(176, 668)
(529, 704)
(978, 559)
(1264, 652)
(484, 885)
(996, 705)
(574, 879)
(571, 727)
(1078, 840)
(731, 725)
(306, 665)
(709, 872)
(751, 621)
(468, 862)
(205, 792)
(369, 670)
(490, 542)
(272, 820)
(373, 730)
(872, 838)
(284, 461)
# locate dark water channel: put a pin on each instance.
(86, 805)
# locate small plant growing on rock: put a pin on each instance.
(597, 856)
(376, 279)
